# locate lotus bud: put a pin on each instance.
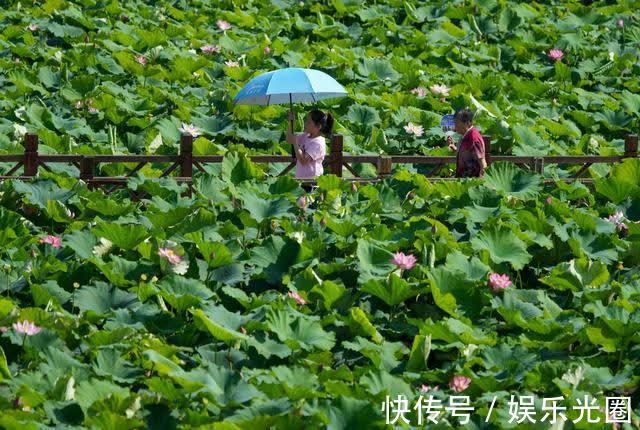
(143, 277)
(323, 222)
(354, 187)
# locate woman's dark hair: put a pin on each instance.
(464, 115)
(324, 120)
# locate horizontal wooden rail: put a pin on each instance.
(184, 162)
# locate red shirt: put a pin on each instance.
(470, 152)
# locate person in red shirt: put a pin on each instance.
(470, 161)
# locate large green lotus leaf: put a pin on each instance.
(39, 193)
(183, 293)
(627, 171)
(452, 331)
(455, 293)
(293, 382)
(613, 120)
(349, 413)
(379, 382)
(529, 309)
(275, 256)
(393, 291)
(594, 246)
(576, 275)
(264, 208)
(618, 319)
(474, 268)
(363, 115)
(165, 219)
(359, 318)
(237, 167)
(528, 142)
(125, 236)
(374, 260)
(385, 356)
(108, 207)
(4, 368)
(631, 102)
(503, 246)
(94, 390)
(110, 363)
(377, 68)
(103, 299)
(508, 179)
(12, 227)
(299, 331)
(235, 390)
(227, 322)
(616, 190)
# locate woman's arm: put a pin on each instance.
(301, 156)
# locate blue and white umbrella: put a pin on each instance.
(290, 85)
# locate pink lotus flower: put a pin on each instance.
(33, 27)
(499, 282)
(419, 91)
(412, 128)
(549, 200)
(223, 25)
(210, 49)
(267, 50)
(141, 59)
(555, 54)
(54, 241)
(620, 23)
(427, 388)
(618, 219)
(4, 329)
(170, 255)
(93, 110)
(299, 300)
(404, 262)
(440, 89)
(459, 383)
(26, 327)
(302, 202)
(231, 63)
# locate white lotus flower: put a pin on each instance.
(19, 113)
(102, 248)
(19, 131)
(190, 129)
(412, 128)
(440, 89)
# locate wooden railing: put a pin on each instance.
(185, 164)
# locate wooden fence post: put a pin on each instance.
(631, 146)
(87, 170)
(31, 155)
(487, 149)
(186, 159)
(336, 160)
(384, 165)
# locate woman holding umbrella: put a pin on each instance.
(309, 146)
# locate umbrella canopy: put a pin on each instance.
(290, 85)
